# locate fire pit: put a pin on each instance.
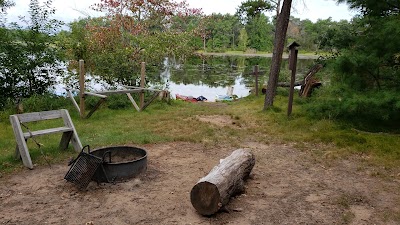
(119, 163)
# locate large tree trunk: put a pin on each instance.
(213, 191)
(280, 35)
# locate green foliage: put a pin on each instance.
(258, 27)
(223, 31)
(370, 110)
(29, 58)
(251, 9)
(364, 86)
(259, 30)
(115, 45)
(75, 42)
(336, 35)
(375, 8)
(37, 103)
(90, 101)
(4, 5)
(324, 35)
(371, 62)
(243, 40)
(118, 102)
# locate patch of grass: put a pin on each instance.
(177, 121)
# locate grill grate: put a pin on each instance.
(83, 169)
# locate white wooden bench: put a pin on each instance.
(68, 130)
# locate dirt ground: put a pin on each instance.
(287, 186)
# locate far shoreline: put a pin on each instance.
(266, 55)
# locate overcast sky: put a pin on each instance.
(69, 10)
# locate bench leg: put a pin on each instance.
(76, 143)
(21, 142)
(17, 155)
(66, 137)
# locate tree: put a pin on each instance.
(280, 35)
(260, 33)
(364, 87)
(243, 40)
(257, 25)
(373, 61)
(374, 8)
(4, 4)
(252, 8)
(134, 31)
(29, 58)
(223, 31)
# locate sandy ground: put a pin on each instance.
(287, 186)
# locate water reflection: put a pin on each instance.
(210, 76)
(206, 76)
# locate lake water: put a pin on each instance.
(209, 76)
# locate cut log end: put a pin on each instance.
(225, 180)
(205, 198)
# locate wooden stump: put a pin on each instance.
(213, 191)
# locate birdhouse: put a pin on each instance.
(292, 54)
(293, 45)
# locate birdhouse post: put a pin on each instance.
(292, 66)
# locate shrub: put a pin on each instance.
(118, 102)
(35, 103)
(370, 108)
(44, 103)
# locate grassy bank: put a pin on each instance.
(178, 121)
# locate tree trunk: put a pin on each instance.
(280, 35)
(213, 191)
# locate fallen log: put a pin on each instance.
(310, 82)
(225, 180)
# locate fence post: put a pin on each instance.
(142, 80)
(82, 88)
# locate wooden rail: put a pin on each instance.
(103, 94)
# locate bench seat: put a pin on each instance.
(47, 131)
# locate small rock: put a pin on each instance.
(137, 182)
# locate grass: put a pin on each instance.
(176, 121)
